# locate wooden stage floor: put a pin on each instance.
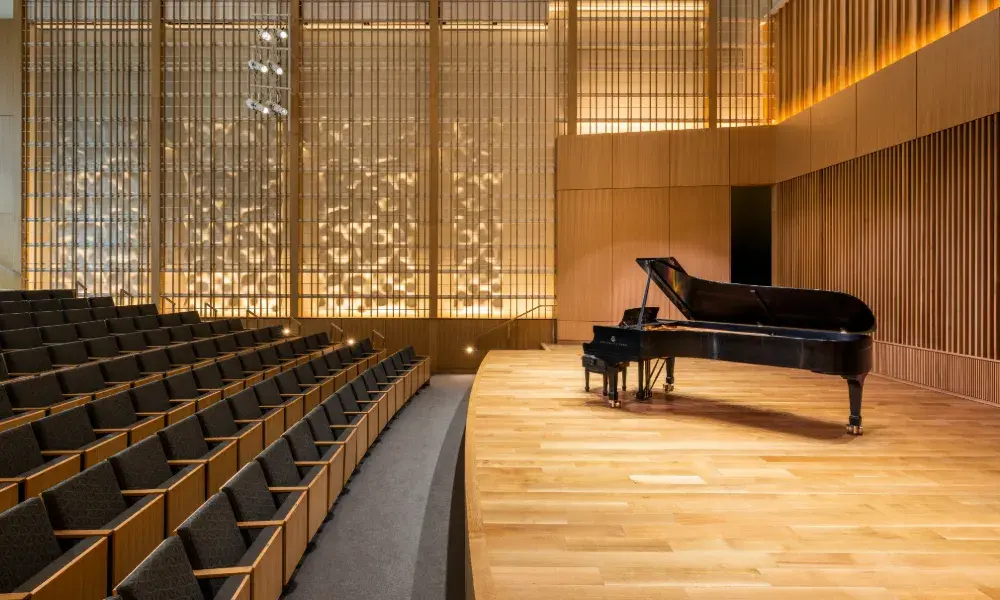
(742, 485)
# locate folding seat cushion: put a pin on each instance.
(42, 392)
(170, 320)
(201, 331)
(210, 377)
(167, 574)
(92, 329)
(91, 502)
(115, 414)
(11, 417)
(157, 361)
(232, 369)
(420, 364)
(20, 339)
(104, 312)
(269, 396)
(205, 350)
(216, 544)
(70, 433)
(148, 309)
(131, 342)
(183, 386)
(386, 378)
(129, 311)
(351, 406)
(153, 399)
(102, 301)
(37, 565)
(325, 373)
(235, 324)
(68, 355)
(10, 295)
(224, 344)
(190, 317)
(22, 463)
(285, 476)
(74, 303)
(102, 348)
(125, 370)
(184, 444)
(16, 321)
(306, 450)
(120, 325)
(408, 375)
(219, 425)
(245, 339)
(366, 396)
(143, 469)
(181, 333)
(289, 386)
(246, 410)
(253, 501)
(88, 380)
(59, 334)
(183, 354)
(327, 434)
(220, 326)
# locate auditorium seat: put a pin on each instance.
(350, 363)
(190, 317)
(252, 363)
(351, 406)
(392, 393)
(308, 451)
(183, 386)
(59, 334)
(235, 324)
(11, 417)
(68, 355)
(37, 565)
(246, 410)
(105, 348)
(339, 420)
(408, 375)
(363, 352)
(10, 295)
(288, 355)
(116, 414)
(290, 387)
(101, 302)
(62, 293)
(143, 469)
(219, 326)
(225, 344)
(70, 433)
(384, 380)
(285, 476)
(326, 434)
(269, 396)
(125, 370)
(74, 303)
(167, 570)
(299, 348)
(131, 342)
(185, 444)
(148, 309)
(91, 503)
(104, 312)
(219, 425)
(366, 397)
(271, 358)
(93, 329)
(183, 354)
(129, 311)
(77, 315)
(16, 321)
(119, 325)
(156, 338)
(205, 350)
(307, 376)
(169, 319)
(156, 361)
(47, 305)
(41, 393)
(180, 333)
(88, 380)
(319, 342)
(15, 306)
(254, 503)
(22, 463)
(245, 340)
(215, 543)
(210, 378)
(152, 399)
(201, 331)
(422, 364)
(332, 378)
(20, 339)
(232, 368)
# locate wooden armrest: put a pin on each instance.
(310, 463)
(246, 421)
(220, 439)
(80, 533)
(149, 414)
(259, 524)
(60, 452)
(17, 410)
(286, 488)
(291, 395)
(131, 493)
(270, 406)
(354, 413)
(117, 382)
(185, 462)
(343, 426)
(324, 443)
(225, 380)
(181, 400)
(222, 572)
(124, 429)
(209, 390)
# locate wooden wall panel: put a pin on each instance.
(641, 160)
(584, 256)
(583, 162)
(911, 230)
(642, 222)
(699, 157)
(751, 156)
(833, 137)
(792, 146)
(887, 106)
(958, 76)
(699, 230)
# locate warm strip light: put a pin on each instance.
(370, 25)
(494, 26)
(624, 7)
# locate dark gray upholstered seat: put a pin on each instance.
(16, 321)
(324, 338)
(19, 452)
(320, 368)
(245, 339)
(210, 377)
(182, 354)
(299, 347)
(245, 406)
(119, 325)
(180, 333)
(154, 361)
(288, 383)
(74, 303)
(143, 466)
(348, 399)
(113, 412)
(72, 353)
(6, 409)
(190, 317)
(101, 301)
(66, 430)
(319, 426)
(344, 354)
(93, 329)
(84, 379)
(219, 326)
(285, 351)
(36, 392)
(20, 339)
(301, 443)
(182, 386)
(77, 315)
(268, 393)
(261, 335)
(277, 331)
(166, 574)
(62, 293)
(129, 311)
(249, 495)
(15, 306)
(11, 295)
(91, 499)
(225, 343)
(147, 322)
(235, 324)
(59, 334)
(151, 397)
(333, 361)
(106, 347)
(120, 370)
(132, 342)
(306, 375)
(212, 539)
(47, 318)
(205, 349)
(232, 369)
(184, 440)
(156, 337)
(27, 544)
(169, 319)
(201, 331)
(217, 421)
(251, 362)
(269, 357)
(148, 309)
(104, 312)
(280, 469)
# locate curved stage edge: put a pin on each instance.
(742, 485)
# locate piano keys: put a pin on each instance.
(815, 330)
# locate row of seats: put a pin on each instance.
(34, 337)
(273, 505)
(11, 295)
(54, 304)
(22, 320)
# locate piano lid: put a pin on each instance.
(714, 301)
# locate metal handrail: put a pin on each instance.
(256, 318)
(80, 285)
(298, 325)
(173, 305)
(334, 326)
(122, 294)
(20, 276)
(475, 344)
(376, 333)
(215, 311)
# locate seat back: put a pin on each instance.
(11, 295)
(333, 361)
(121, 325)
(209, 377)
(151, 397)
(284, 350)
(190, 317)
(36, 294)
(231, 368)
(88, 500)
(93, 329)
(27, 544)
(102, 301)
(245, 339)
(184, 440)
(112, 412)
(299, 346)
(156, 337)
(305, 374)
(287, 383)
(218, 421)
(319, 425)
(47, 318)
(36, 392)
(15, 306)
(301, 442)
(367, 347)
(251, 362)
(130, 310)
(269, 356)
(348, 399)
(248, 494)
(73, 353)
(319, 367)
(225, 343)
(205, 349)
(16, 321)
(182, 386)
(370, 382)
(148, 309)
(244, 405)
(323, 338)
(35, 360)
(147, 322)
(74, 303)
(120, 369)
(141, 466)
(344, 354)
(211, 536)
(20, 339)
(182, 354)
(201, 330)
(180, 333)
(77, 315)
(360, 389)
(169, 320)
(59, 334)
(235, 324)
(153, 361)
(268, 393)
(262, 335)
(19, 452)
(334, 410)
(67, 430)
(165, 574)
(356, 351)
(220, 326)
(106, 347)
(104, 312)
(84, 379)
(278, 465)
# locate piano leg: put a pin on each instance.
(668, 385)
(586, 385)
(855, 386)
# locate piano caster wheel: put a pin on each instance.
(854, 429)
(614, 403)
(668, 387)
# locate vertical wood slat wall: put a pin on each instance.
(911, 230)
(824, 46)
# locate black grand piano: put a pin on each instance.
(820, 331)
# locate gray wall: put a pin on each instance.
(10, 147)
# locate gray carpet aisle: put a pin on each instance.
(388, 537)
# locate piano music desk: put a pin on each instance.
(743, 485)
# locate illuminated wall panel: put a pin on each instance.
(744, 71)
(225, 210)
(365, 205)
(86, 201)
(500, 111)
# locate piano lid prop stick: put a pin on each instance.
(645, 297)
